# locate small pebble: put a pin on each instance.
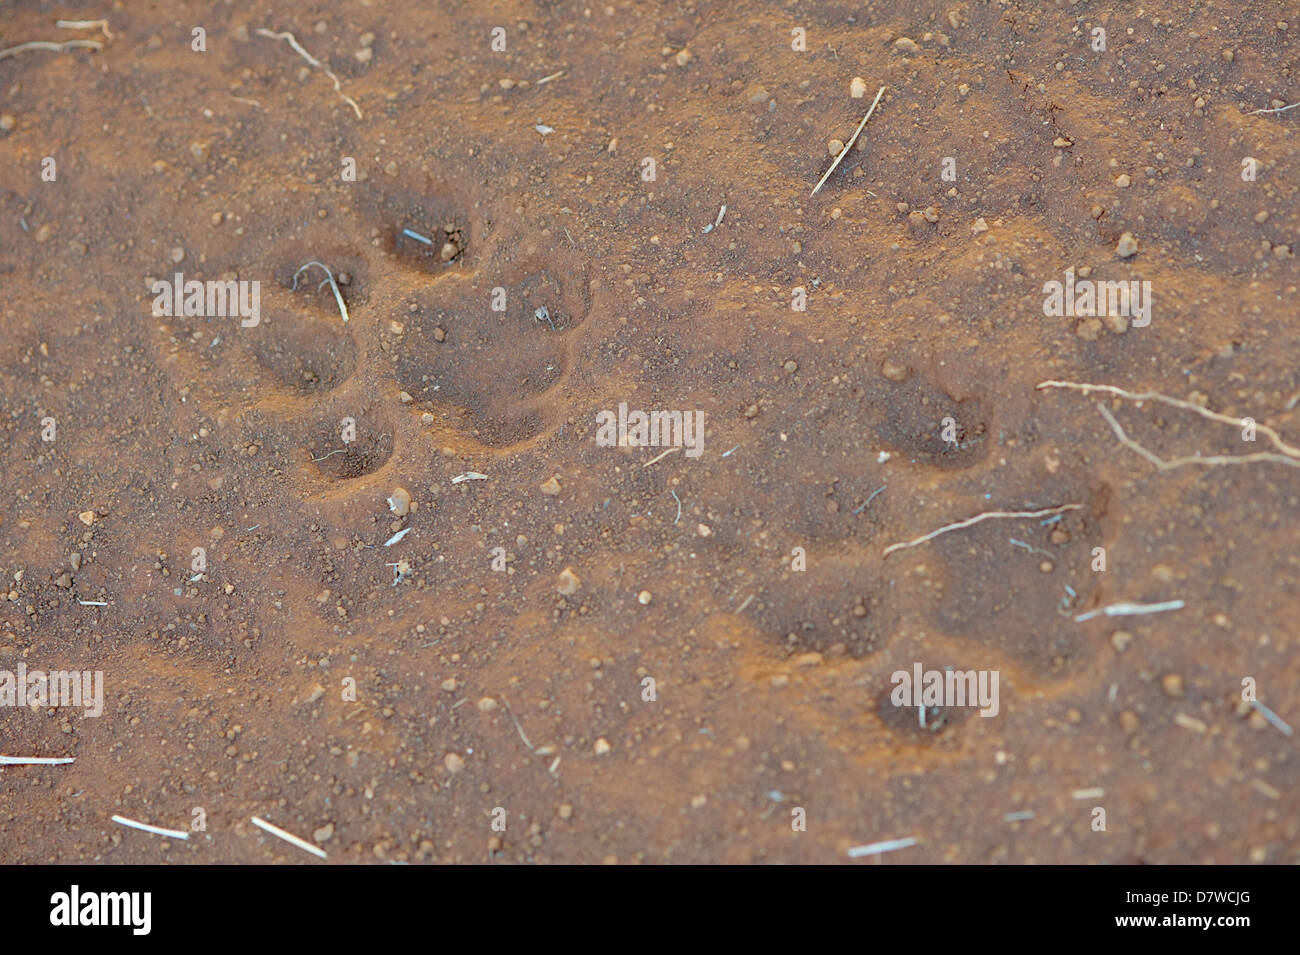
(399, 502)
(1122, 181)
(1120, 639)
(569, 582)
(906, 45)
(453, 763)
(858, 88)
(835, 147)
(551, 486)
(439, 334)
(1127, 246)
(1173, 685)
(602, 746)
(325, 833)
(893, 371)
(644, 597)
(1089, 329)
(7, 122)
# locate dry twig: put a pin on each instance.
(849, 145)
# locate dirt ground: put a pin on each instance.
(395, 714)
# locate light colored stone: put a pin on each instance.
(399, 502)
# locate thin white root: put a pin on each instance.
(56, 47)
(1213, 460)
(297, 47)
(1140, 396)
(981, 517)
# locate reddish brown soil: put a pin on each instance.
(772, 683)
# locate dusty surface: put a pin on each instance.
(772, 683)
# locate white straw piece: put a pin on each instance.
(1130, 610)
(888, 845)
(145, 827)
(289, 837)
(845, 151)
(35, 760)
(396, 537)
(1278, 723)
